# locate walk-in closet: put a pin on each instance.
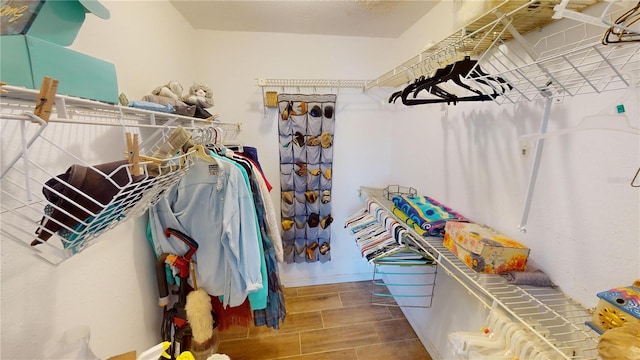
(320, 179)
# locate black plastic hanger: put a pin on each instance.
(451, 72)
(408, 88)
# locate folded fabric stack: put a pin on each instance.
(376, 232)
(423, 214)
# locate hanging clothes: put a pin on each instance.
(257, 299)
(213, 204)
(271, 220)
(275, 311)
(201, 205)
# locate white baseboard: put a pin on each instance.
(321, 280)
(428, 345)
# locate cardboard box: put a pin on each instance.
(616, 307)
(54, 21)
(484, 249)
(80, 75)
(34, 36)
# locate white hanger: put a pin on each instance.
(498, 324)
(604, 120)
(201, 153)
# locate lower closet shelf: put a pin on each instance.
(557, 320)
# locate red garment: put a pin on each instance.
(241, 315)
(269, 187)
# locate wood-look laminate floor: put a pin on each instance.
(335, 321)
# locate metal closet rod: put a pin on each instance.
(65, 104)
(310, 83)
(68, 106)
(233, 126)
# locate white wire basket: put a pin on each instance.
(395, 190)
(59, 213)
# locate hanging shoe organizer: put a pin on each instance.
(403, 274)
(55, 200)
(306, 128)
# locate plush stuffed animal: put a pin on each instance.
(172, 90)
(199, 94)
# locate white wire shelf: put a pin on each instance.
(69, 108)
(569, 63)
(476, 37)
(71, 215)
(555, 319)
(34, 161)
(311, 83)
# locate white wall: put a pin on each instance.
(111, 286)
(583, 229)
(146, 40)
(231, 64)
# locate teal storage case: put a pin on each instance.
(32, 45)
(27, 60)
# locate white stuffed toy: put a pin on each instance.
(199, 94)
(172, 90)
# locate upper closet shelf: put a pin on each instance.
(567, 63)
(504, 22)
(17, 101)
(311, 83)
(55, 199)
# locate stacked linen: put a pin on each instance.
(376, 232)
(424, 214)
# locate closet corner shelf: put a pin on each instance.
(74, 110)
(504, 22)
(311, 83)
(34, 162)
(557, 320)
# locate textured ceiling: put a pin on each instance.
(385, 19)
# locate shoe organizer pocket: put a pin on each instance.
(289, 250)
(300, 226)
(300, 204)
(324, 250)
(328, 125)
(289, 235)
(286, 177)
(284, 127)
(312, 250)
(324, 233)
(299, 124)
(313, 206)
(287, 207)
(325, 209)
(299, 249)
(312, 232)
(325, 220)
(286, 149)
(326, 155)
(325, 257)
(299, 153)
(325, 196)
(300, 182)
(313, 154)
(314, 124)
(326, 176)
(313, 176)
